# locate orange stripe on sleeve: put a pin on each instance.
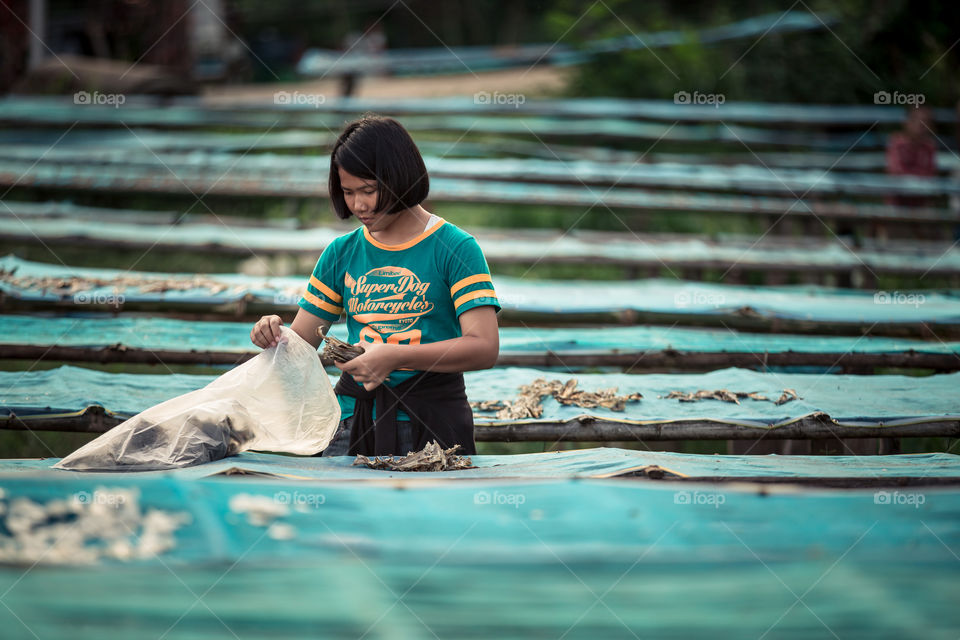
(473, 295)
(321, 304)
(466, 282)
(325, 290)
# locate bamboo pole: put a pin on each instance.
(588, 429)
(633, 360)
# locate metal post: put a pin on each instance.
(38, 28)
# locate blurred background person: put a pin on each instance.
(912, 152)
(955, 198)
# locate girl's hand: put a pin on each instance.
(266, 332)
(374, 366)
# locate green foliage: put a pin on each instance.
(868, 47)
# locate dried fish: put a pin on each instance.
(703, 394)
(338, 350)
(487, 405)
(525, 406)
(725, 395)
(431, 458)
(528, 402)
(88, 527)
(787, 396)
(76, 284)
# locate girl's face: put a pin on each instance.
(361, 198)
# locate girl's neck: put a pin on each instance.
(405, 226)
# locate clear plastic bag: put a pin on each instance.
(280, 400)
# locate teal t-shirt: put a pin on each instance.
(411, 293)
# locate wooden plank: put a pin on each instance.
(670, 359)
(692, 256)
(584, 429)
(37, 285)
(814, 428)
(250, 310)
(85, 178)
(133, 339)
(773, 114)
(145, 164)
(530, 127)
(766, 114)
(114, 142)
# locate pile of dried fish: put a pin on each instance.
(486, 405)
(729, 396)
(528, 402)
(338, 350)
(85, 528)
(567, 394)
(75, 284)
(431, 458)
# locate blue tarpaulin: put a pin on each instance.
(97, 331)
(849, 399)
(536, 557)
(663, 297)
(599, 462)
(508, 246)
(684, 176)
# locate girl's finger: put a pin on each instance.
(266, 338)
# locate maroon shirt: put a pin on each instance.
(908, 156)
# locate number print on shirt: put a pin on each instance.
(369, 334)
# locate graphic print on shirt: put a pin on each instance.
(388, 301)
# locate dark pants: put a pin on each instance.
(340, 444)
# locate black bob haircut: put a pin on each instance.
(378, 148)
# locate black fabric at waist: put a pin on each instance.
(437, 406)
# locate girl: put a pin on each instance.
(417, 294)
